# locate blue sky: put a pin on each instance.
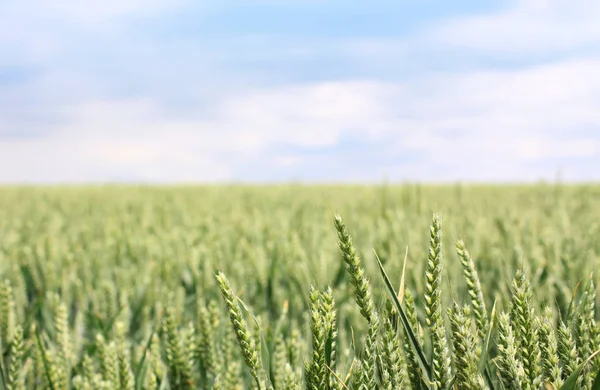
(181, 91)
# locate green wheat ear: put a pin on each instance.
(466, 359)
(412, 363)
(585, 328)
(7, 312)
(290, 380)
(390, 351)
(474, 289)
(87, 369)
(206, 342)
(551, 371)
(362, 291)
(433, 307)
(107, 354)
(364, 300)
(510, 368)
(240, 328)
(567, 350)
(17, 352)
(320, 369)
(521, 316)
(316, 375)
(126, 378)
(63, 343)
(280, 360)
(329, 313)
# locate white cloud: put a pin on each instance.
(100, 160)
(526, 31)
(550, 148)
(529, 26)
(84, 13)
(41, 30)
(487, 125)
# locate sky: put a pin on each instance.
(178, 91)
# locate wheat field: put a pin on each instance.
(299, 287)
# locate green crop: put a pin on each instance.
(300, 287)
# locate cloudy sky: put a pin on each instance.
(311, 90)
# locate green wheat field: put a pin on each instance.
(300, 287)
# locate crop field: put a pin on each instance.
(299, 287)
